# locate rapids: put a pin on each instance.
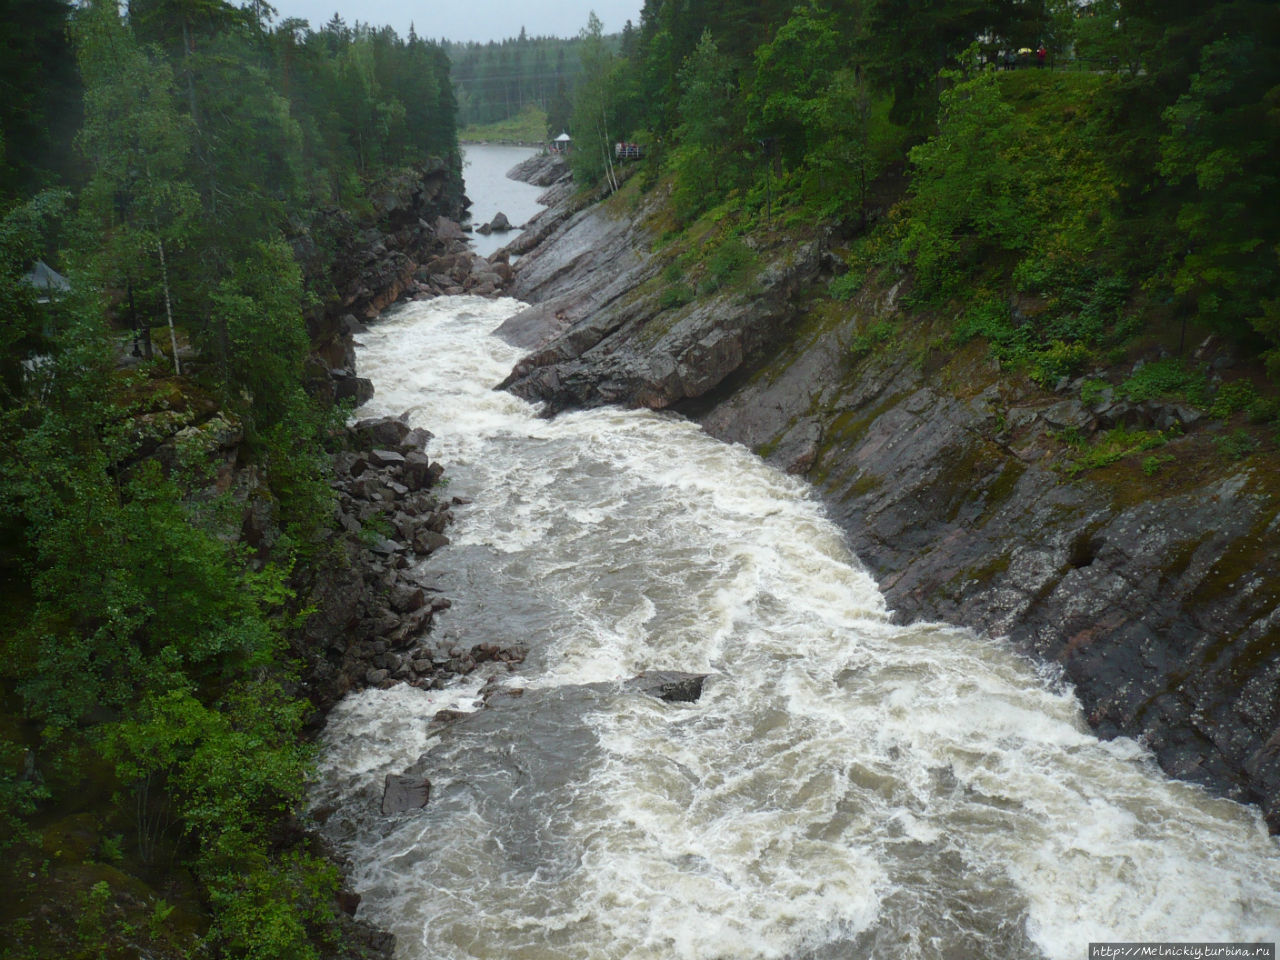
(845, 787)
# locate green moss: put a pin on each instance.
(1246, 557)
(985, 573)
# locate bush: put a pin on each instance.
(866, 342)
(847, 285)
(730, 263)
(676, 295)
(1232, 397)
(1059, 360)
(1168, 379)
(1237, 445)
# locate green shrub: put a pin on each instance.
(1263, 409)
(1091, 391)
(866, 342)
(730, 263)
(1059, 360)
(1168, 379)
(1232, 397)
(847, 285)
(675, 295)
(1237, 445)
(1115, 445)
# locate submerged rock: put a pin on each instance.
(401, 794)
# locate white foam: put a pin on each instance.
(834, 761)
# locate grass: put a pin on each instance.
(529, 125)
(1112, 446)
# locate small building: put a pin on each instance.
(560, 144)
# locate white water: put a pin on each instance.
(844, 788)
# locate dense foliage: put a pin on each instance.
(497, 81)
(169, 161)
(1127, 171)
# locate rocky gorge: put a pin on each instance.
(1157, 595)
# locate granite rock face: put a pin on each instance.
(604, 329)
(1160, 601)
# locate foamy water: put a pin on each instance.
(845, 787)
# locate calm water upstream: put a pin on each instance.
(844, 788)
(484, 167)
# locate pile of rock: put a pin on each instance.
(375, 614)
(459, 270)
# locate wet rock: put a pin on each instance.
(428, 541)
(386, 432)
(401, 794)
(386, 547)
(447, 229)
(407, 599)
(448, 716)
(671, 686)
(417, 472)
(415, 439)
(349, 387)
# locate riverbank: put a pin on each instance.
(1155, 592)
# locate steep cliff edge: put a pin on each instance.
(1156, 591)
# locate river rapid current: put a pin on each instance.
(845, 787)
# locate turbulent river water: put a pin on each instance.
(844, 788)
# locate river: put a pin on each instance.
(484, 168)
(844, 788)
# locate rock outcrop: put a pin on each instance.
(371, 626)
(1159, 598)
(412, 247)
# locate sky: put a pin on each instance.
(468, 19)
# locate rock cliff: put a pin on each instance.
(1158, 596)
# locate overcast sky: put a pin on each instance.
(468, 19)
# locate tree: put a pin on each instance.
(1220, 149)
(137, 147)
(906, 43)
(792, 73)
(592, 101)
(39, 94)
(966, 186)
(706, 125)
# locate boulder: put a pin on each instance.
(401, 794)
(416, 471)
(406, 599)
(380, 432)
(671, 685)
(447, 229)
(428, 541)
(349, 387)
(415, 439)
(500, 224)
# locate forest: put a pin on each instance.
(498, 80)
(184, 165)
(1108, 165)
